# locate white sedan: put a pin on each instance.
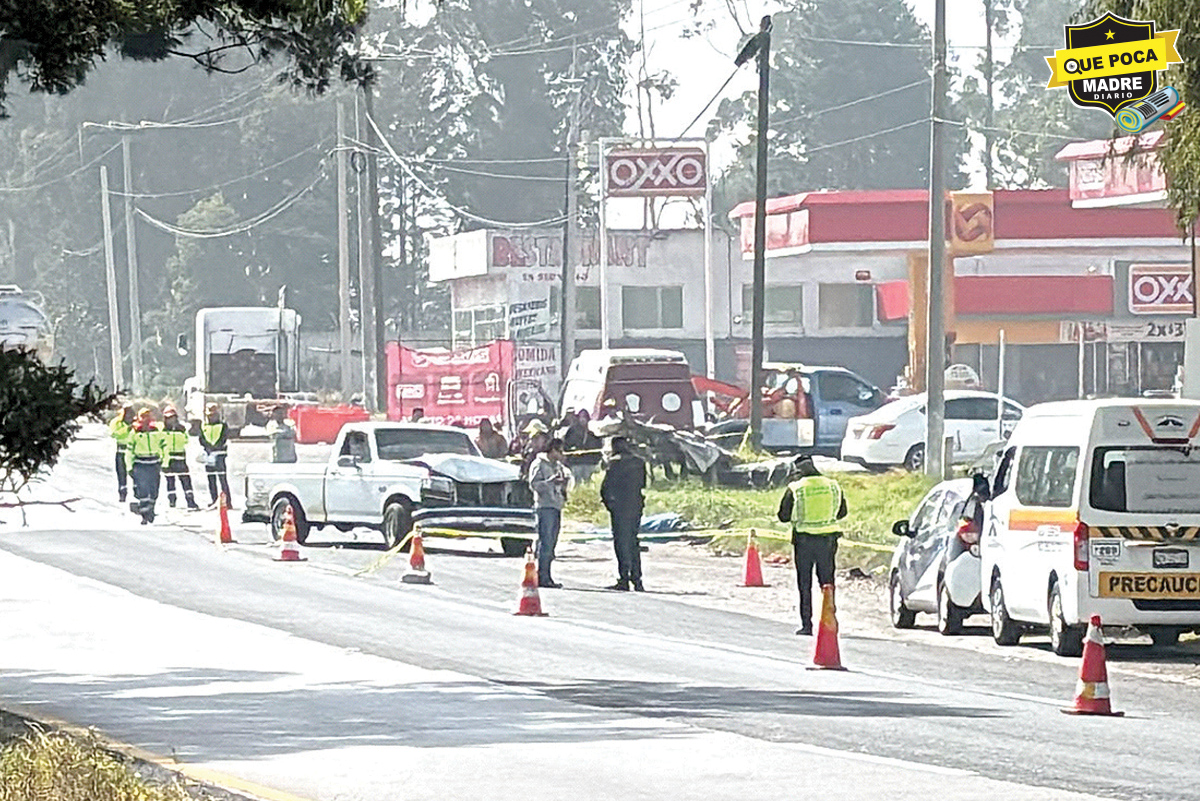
(894, 435)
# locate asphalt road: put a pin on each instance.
(312, 680)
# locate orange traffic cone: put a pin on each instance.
(530, 604)
(827, 656)
(224, 535)
(1091, 693)
(753, 575)
(290, 550)
(416, 574)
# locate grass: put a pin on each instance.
(62, 767)
(874, 503)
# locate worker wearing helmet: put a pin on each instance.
(121, 427)
(214, 438)
(144, 459)
(175, 467)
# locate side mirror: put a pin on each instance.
(347, 461)
(181, 344)
(900, 529)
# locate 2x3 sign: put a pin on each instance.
(656, 172)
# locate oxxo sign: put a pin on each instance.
(1161, 289)
(659, 171)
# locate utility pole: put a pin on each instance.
(135, 304)
(989, 78)
(570, 240)
(110, 275)
(343, 232)
(366, 272)
(760, 45)
(935, 338)
(381, 400)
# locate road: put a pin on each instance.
(309, 680)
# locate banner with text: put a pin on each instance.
(459, 387)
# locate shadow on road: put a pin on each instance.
(666, 700)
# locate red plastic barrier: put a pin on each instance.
(322, 423)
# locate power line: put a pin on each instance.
(898, 89)
(241, 227)
(73, 173)
(711, 100)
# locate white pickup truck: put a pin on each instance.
(387, 476)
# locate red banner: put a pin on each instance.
(450, 387)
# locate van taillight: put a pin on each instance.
(1081, 547)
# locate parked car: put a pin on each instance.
(1096, 511)
(894, 435)
(387, 476)
(935, 567)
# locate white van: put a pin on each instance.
(1096, 511)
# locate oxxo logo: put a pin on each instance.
(1161, 289)
(666, 171)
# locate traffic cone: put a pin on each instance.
(530, 604)
(290, 548)
(224, 535)
(1091, 693)
(416, 573)
(827, 656)
(753, 575)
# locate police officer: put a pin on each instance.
(120, 428)
(144, 458)
(175, 439)
(622, 494)
(214, 438)
(814, 504)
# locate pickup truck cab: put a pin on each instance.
(389, 476)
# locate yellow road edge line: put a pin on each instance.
(194, 772)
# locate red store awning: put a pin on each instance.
(1069, 296)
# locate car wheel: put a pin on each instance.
(279, 508)
(902, 616)
(1164, 637)
(397, 522)
(949, 616)
(1004, 630)
(512, 546)
(1064, 640)
(914, 460)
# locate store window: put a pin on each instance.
(587, 308)
(846, 305)
(644, 307)
(783, 304)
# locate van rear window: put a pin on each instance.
(1146, 479)
(1046, 476)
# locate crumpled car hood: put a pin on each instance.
(471, 469)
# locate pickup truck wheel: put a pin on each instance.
(397, 522)
(277, 511)
(511, 546)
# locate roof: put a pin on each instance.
(632, 354)
(1071, 408)
(836, 197)
(375, 425)
(1098, 148)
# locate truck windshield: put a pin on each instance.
(1146, 479)
(398, 444)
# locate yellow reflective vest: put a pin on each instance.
(146, 446)
(175, 442)
(120, 431)
(816, 501)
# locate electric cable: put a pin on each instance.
(73, 173)
(239, 228)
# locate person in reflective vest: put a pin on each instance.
(214, 438)
(175, 438)
(120, 428)
(813, 504)
(144, 458)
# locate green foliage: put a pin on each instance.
(55, 765)
(1180, 155)
(813, 79)
(53, 45)
(40, 409)
(874, 502)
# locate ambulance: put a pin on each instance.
(1095, 510)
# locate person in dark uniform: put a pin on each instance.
(175, 467)
(214, 438)
(622, 494)
(144, 460)
(120, 428)
(813, 504)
